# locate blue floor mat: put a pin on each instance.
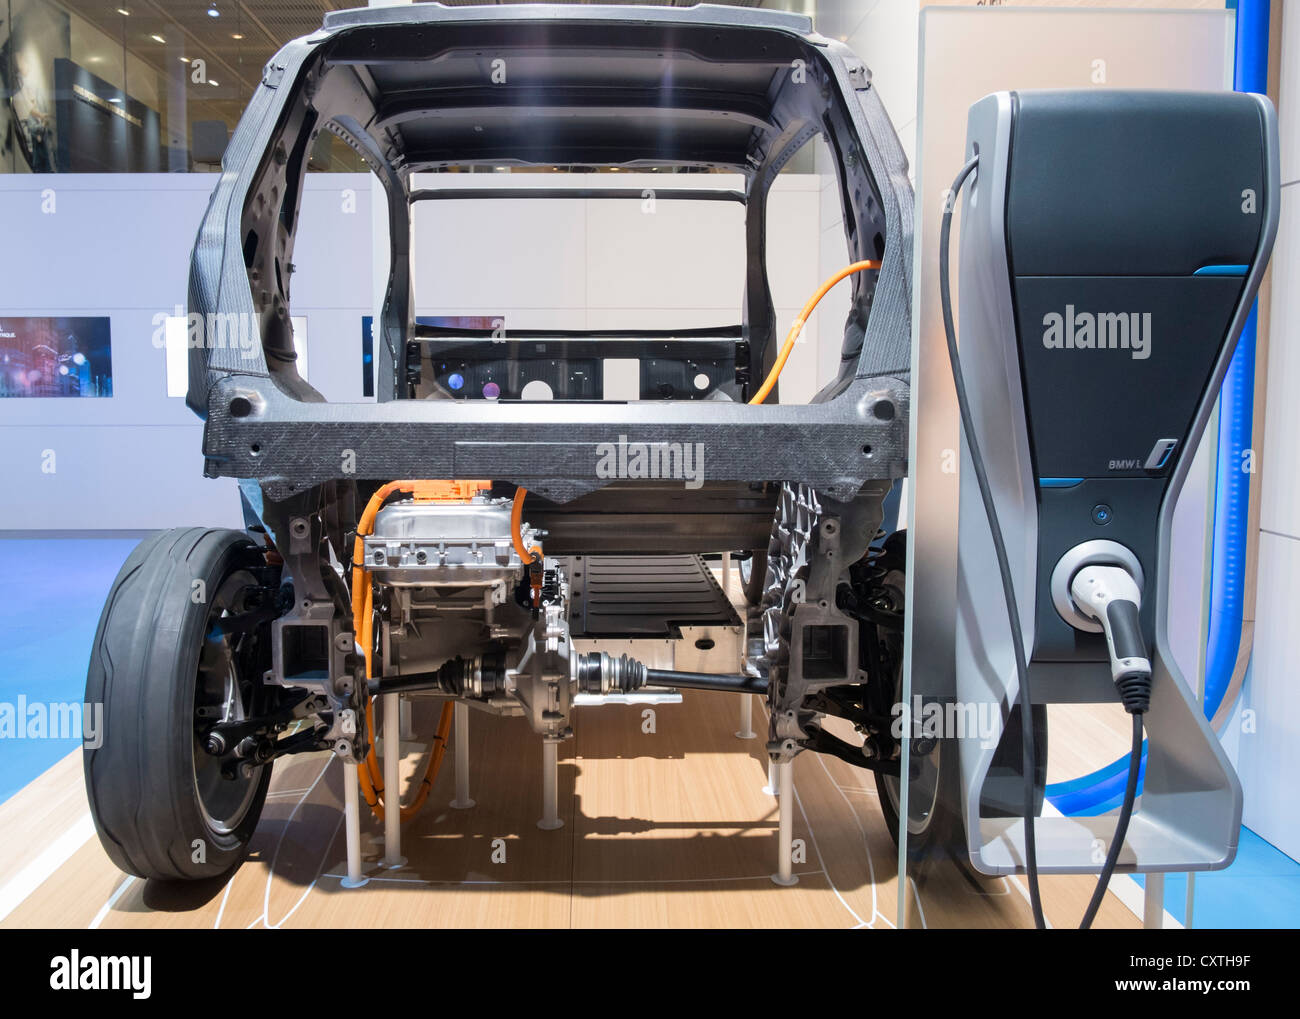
(52, 592)
(1260, 890)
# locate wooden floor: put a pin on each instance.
(668, 828)
(665, 825)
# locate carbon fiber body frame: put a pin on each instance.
(264, 422)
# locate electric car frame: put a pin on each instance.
(370, 563)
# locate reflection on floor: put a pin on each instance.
(665, 828)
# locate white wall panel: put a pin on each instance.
(794, 213)
(1280, 460)
(506, 254)
(1269, 755)
(682, 255)
(331, 254)
(125, 477)
(1288, 100)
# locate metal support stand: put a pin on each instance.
(408, 724)
(746, 730)
(785, 826)
(771, 787)
(352, 826)
(550, 793)
(393, 858)
(726, 574)
(1153, 902)
(461, 741)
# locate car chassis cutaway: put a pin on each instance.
(358, 577)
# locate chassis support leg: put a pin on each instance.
(1153, 902)
(393, 857)
(461, 741)
(352, 826)
(550, 793)
(771, 787)
(785, 826)
(746, 730)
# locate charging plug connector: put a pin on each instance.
(1111, 596)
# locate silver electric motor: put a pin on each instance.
(450, 573)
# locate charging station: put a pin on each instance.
(1112, 244)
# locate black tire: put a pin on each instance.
(752, 571)
(935, 823)
(150, 663)
(1002, 796)
(934, 797)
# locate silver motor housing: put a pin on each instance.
(446, 576)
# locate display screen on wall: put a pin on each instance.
(44, 357)
(367, 356)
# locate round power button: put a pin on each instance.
(1101, 514)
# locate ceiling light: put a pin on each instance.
(213, 12)
(185, 60)
(157, 38)
(114, 99)
(236, 35)
(124, 12)
(213, 82)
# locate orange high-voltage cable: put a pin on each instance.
(370, 776)
(797, 326)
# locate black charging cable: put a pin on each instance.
(999, 546)
(1121, 826)
(1135, 689)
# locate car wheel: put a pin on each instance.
(160, 661)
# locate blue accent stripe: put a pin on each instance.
(1231, 505)
(1059, 482)
(1236, 417)
(1096, 793)
(1222, 270)
(1085, 782)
